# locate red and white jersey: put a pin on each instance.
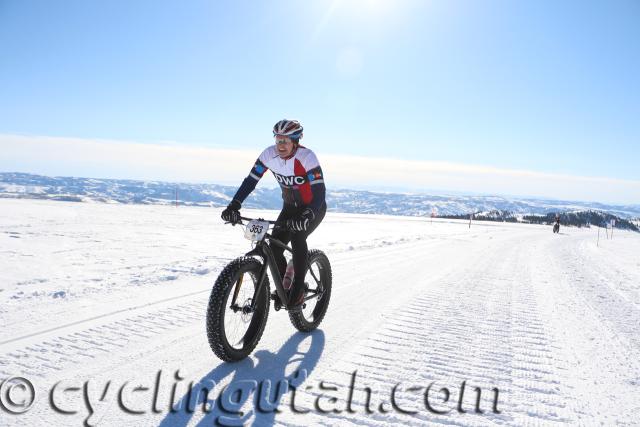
(297, 175)
(300, 177)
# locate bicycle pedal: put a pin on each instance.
(277, 304)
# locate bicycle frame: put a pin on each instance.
(264, 251)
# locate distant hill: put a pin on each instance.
(22, 185)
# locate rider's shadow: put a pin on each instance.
(259, 388)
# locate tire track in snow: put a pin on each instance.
(91, 319)
(39, 358)
(51, 350)
(481, 325)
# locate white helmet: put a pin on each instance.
(291, 128)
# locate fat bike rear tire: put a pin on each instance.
(309, 318)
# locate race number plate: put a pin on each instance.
(256, 230)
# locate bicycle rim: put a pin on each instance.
(240, 326)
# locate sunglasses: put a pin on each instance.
(282, 140)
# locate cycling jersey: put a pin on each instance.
(300, 177)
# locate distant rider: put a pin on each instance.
(298, 172)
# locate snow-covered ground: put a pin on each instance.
(103, 307)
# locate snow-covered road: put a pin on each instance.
(103, 307)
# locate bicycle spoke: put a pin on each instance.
(313, 274)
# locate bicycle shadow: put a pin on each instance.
(265, 383)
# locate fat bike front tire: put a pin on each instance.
(309, 318)
(233, 332)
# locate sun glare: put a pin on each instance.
(367, 9)
(371, 15)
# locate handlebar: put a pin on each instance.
(276, 224)
(260, 219)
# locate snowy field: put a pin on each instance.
(103, 307)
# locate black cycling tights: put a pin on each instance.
(298, 244)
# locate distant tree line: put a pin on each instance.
(583, 219)
(574, 219)
(494, 215)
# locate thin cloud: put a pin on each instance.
(185, 163)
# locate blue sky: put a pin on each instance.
(543, 86)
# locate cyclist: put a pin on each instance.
(297, 170)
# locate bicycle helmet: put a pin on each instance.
(290, 128)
